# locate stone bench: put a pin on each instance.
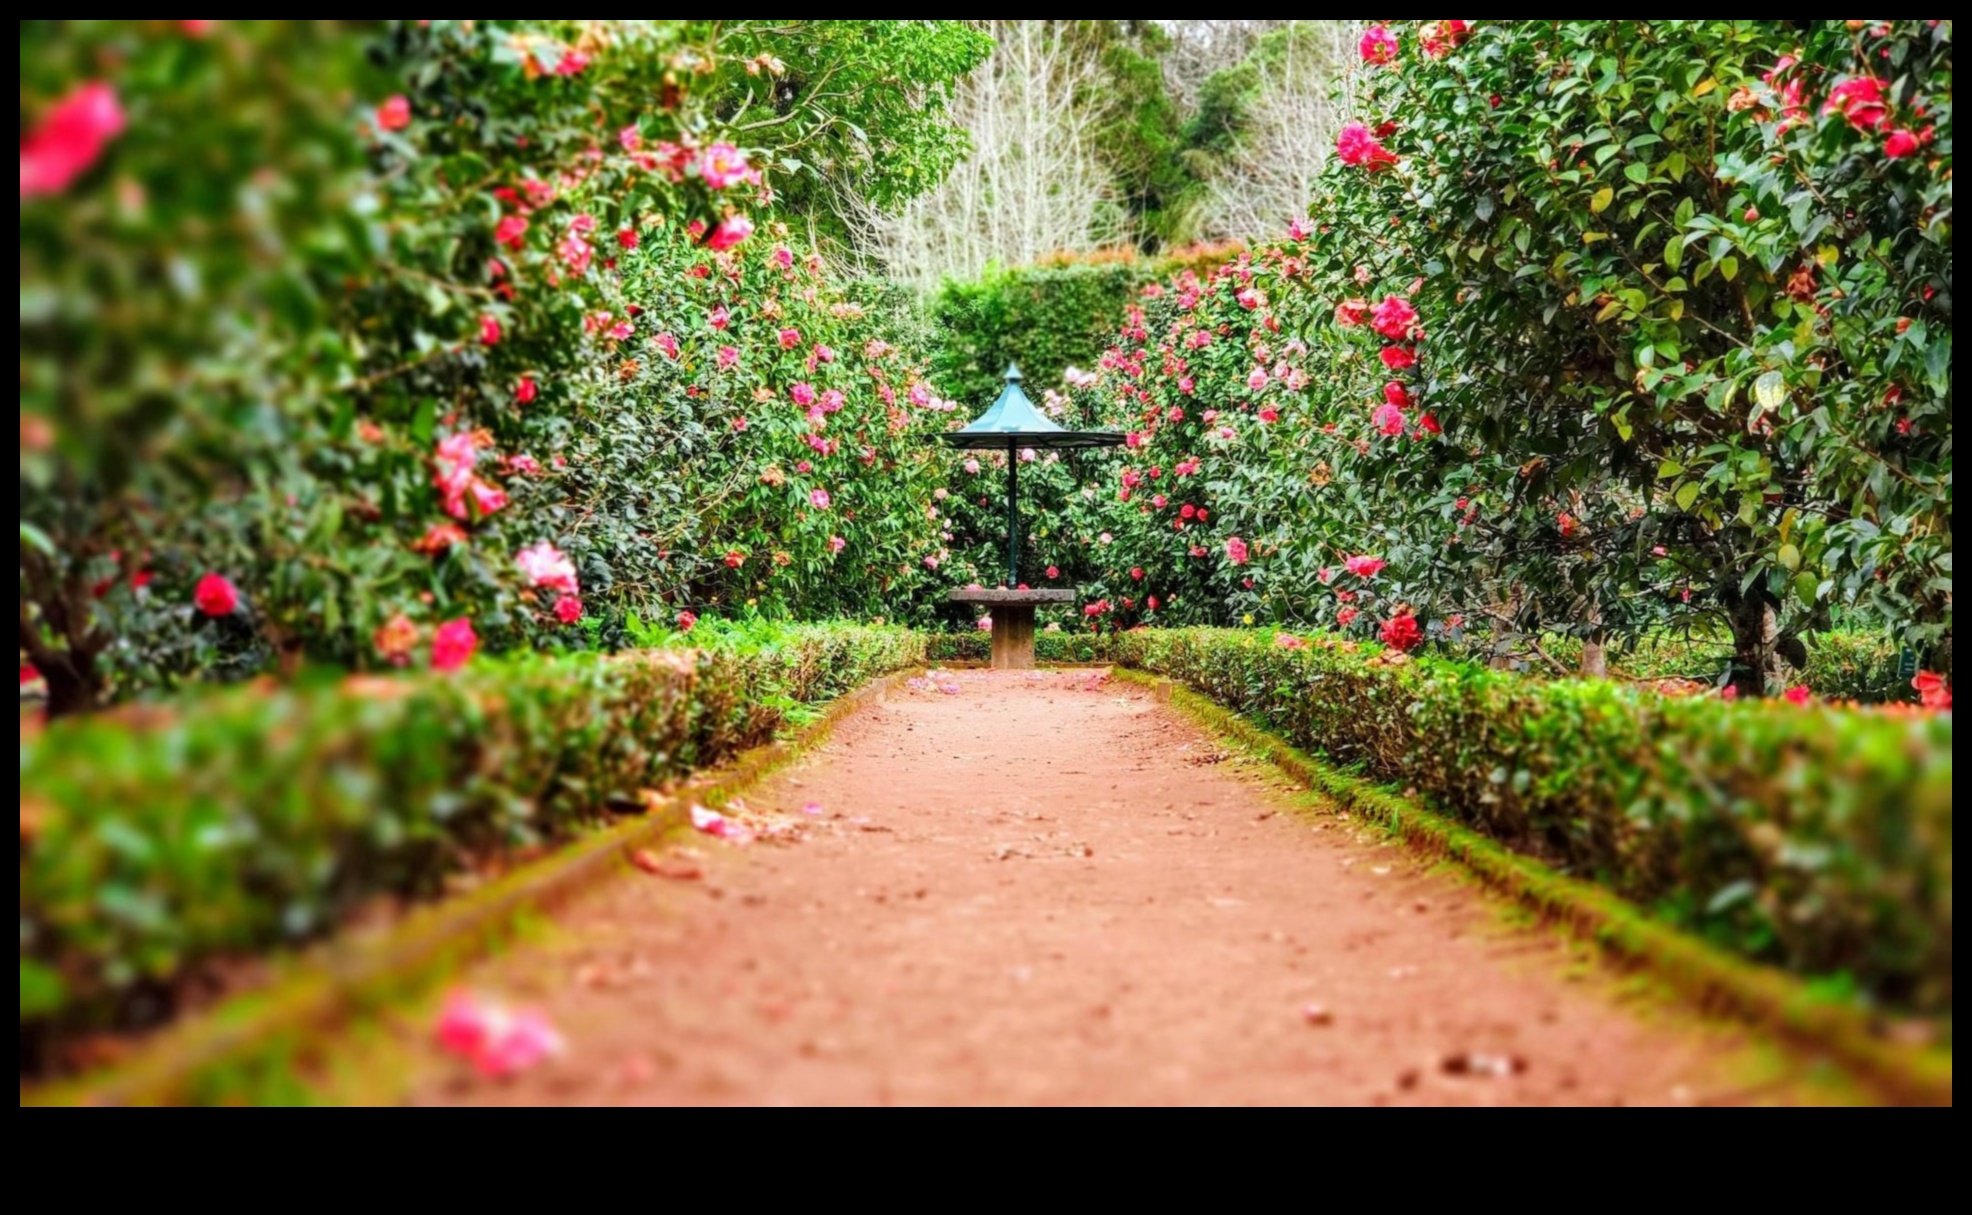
(1013, 621)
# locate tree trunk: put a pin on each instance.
(1595, 656)
(1760, 666)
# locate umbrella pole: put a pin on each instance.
(1013, 518)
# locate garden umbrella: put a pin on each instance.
(1012, 425)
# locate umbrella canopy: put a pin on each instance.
(1013, 421)
(1011, 425)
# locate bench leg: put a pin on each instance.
(1013, 637)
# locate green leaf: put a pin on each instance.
(1687, 496)
(1790, 557)
(1669, 469)
(1601, 201)
(1807, 588)
(1770, 391)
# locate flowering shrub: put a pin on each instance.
(1815, 837)
(249, 819)
(1595, 328)
(314, 306)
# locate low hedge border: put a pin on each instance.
(158, 842)
(1048, 647)
(1713, 978)
(1818, 838)
(223, 1056)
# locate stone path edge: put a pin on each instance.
(1714, 980)
(328, 988)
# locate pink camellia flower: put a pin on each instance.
(1402, 632)
(525, 391)
(1270, 415)
(583, 225)
(216, 596)
(972, 467)
(1250, 298)
(1859, 101)
(1899, 145)
(783, 257)
(819, 499)
(722, 165)
(735, 559)
(576, 254)
(790, 338)
(498, 1043)
(627, 238)
(1358, 148)
(1347, 616)
(1054, 572)
(524, 465)
(984, 624)
(1027, 455)
(630, 138)
(719, 318)
(1933, 691)
(1393, 318)
(1378, 45)
(572, 63)
(802, 394)
(1365, 567)
(1729, 693)
(546, 566)
(832, 401)
(667, 345)
(728, 357)
(1256, 380)
(511, 231)
(730, 232)
(395, 113)
(1136, 573)
(1236, 551)
(568, 609)
(453, 645)
(1388, 420)
(1352, 312)
(1801, 695)
(1398, 358)
(686, 621)
(739, 425)
(718, 826)
(837, 544)
(489, 331)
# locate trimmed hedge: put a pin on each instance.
(1048, 647)
(158, 840)
(1868, 668)
(1816, 838)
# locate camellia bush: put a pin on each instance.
(1595, 329)
(311, 311)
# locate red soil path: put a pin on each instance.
(1050, 888)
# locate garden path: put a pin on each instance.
(1049, 887)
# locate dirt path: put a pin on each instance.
(1050, 888)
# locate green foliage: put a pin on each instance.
(1044, 318)
(1816, 838)
(977, 646)
(247, 820)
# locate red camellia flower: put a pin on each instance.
(1136, 573)
(1398, 358)
(627, 238)
(735, 559)
(1393, 318)
(1566, 522)
(686, 620)
(68, 139)
(1054, 572)
(489, 331)
(1352, 312)
(453, 645)
(1394, 393)
(568, 609)
(1270, 414)
(1402, 632)
(525, 391)
(1378, 45)
(1899, 145)
(1236, 551)
(395, 114)
(1347, 616)
(1388, 420)
(1860, 102)
(1441, 38)
(1357, 147)
(1801, 695)
(215, 596)
(29, 674)
(1365, 567)
(1933, 691)
(511, 231)
(1428, 424)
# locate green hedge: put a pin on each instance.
(1817, 838)
(1842, 665)
(1048, 647)
(160, 839)
(1045, 318)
